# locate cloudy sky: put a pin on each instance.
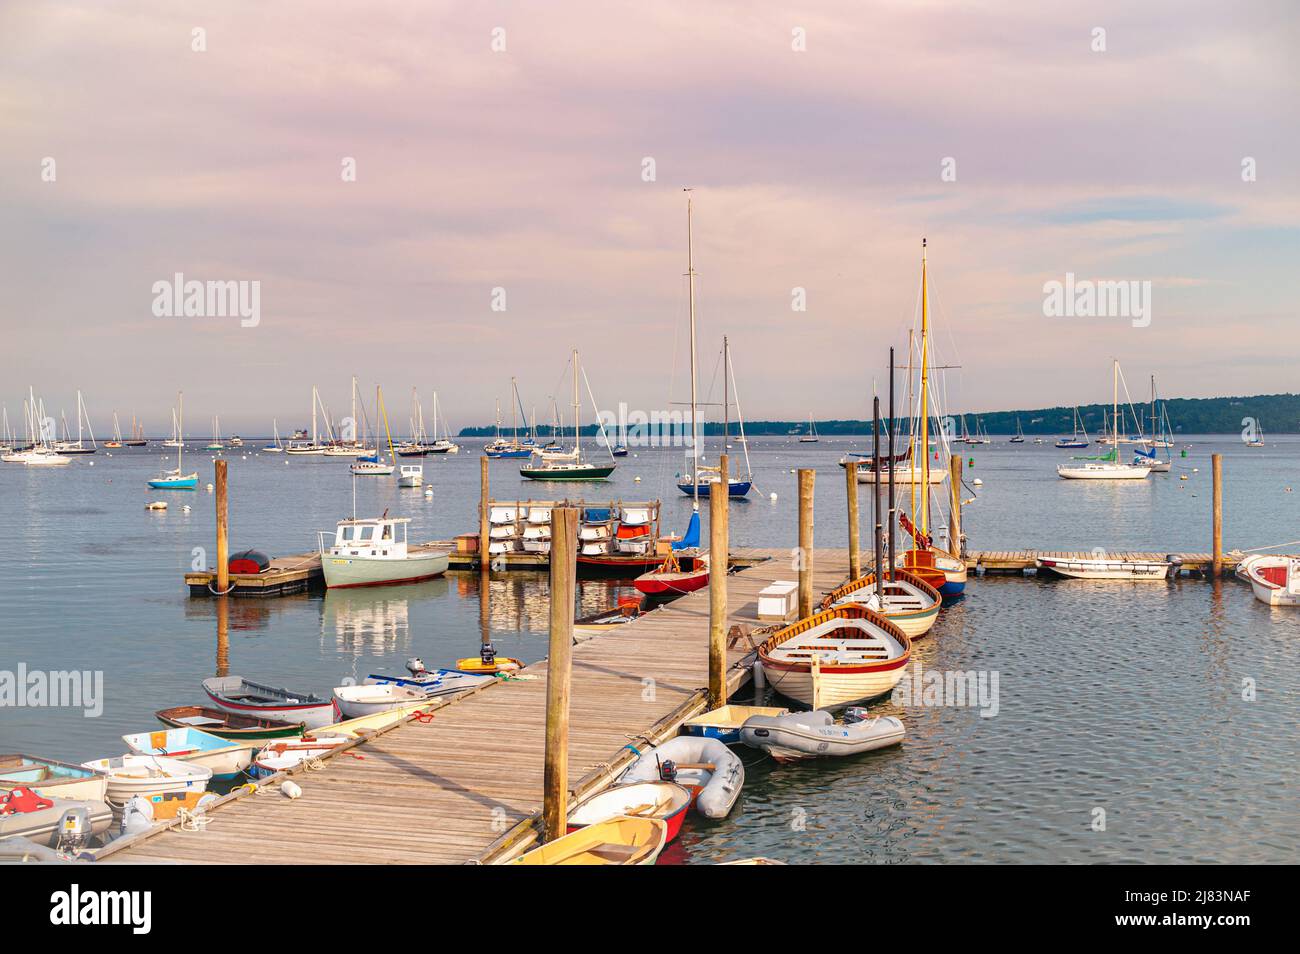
(524, 169)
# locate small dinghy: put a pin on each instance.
(711, 771)
(1275, 580)
(236, 694)
(225, 758)
(488, 663)
(671, 579)
(628, 609)
(724, 722)
(353, 702)
(149, 775)
(431, 683)
(25, 814)
(227, 725)
(1103, 568)
(366, 725)
(803, 735)
(618, 841)
(281, 756)
(666, 801)
(50, 778)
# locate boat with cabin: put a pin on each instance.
(373, 551)
(569, 465)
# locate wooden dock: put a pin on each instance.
(467, 785)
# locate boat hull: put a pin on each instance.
(226, 725)
(1104, 472)
(567, 473)
(666, 801)
(806, 735)
(175, 483)
(233, 694)
(735, 488)
(1101, 569)
(343, 572)
(51, 779)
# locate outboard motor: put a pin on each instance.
(415, 666)
(668, 770)
(488, 654)
(1175, 563)
(855, 714)
(74, 830)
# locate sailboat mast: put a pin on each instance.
(1114, 413)
(893, 506)
(514, 393)
(726, 394)
(180, 433)
(924, 524)
(875, 495)
(577, 409)
(314, 399)
(690, 285)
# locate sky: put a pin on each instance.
(518, 183)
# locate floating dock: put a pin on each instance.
(466, 786)
(1018, 561)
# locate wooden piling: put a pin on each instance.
(954, 489)
(806, 479)
(855, 550)
(483, 507)
(223, 529)
(1216, 554)
(559, 671)
(719, 518)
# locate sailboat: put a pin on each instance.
(1259, 436)
(216, 444)
(1076, 440)
(1108, 466)
(137, 434)
(1020, 435)
(981, 435)
(1160, 438)
(78, 446)
(703, 477)
(117, 434)
(619, 449)
(374, 465)
(514, 448)
(418, 445)
(924, 559)
(811, 436)
(39, 451)
(177, 479)
(275, 447)
(443, 444)
(560, 465)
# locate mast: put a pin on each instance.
(514, 392)
(690, 283)
(924, 524)
(354, 417)
(577, 410)
(180, 433)
(875, 497)
(726, 394)
(892, 503)
(314, 399)
(1114, 415)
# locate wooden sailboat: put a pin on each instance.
(923, 558)
(137, 438)
(177, 479)
(1107, 466)
(558, 465)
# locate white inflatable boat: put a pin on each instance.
(710, 770)
(804, 735)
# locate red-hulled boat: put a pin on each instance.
(666, 801)
(670, 578)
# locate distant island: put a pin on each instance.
(1275, 413)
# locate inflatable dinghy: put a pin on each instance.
(803, 735)
(710, 770)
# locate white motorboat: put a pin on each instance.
(374, 551)
(149, 775)
(802, 735)
(1106, 568)
(353, 702)
(836, 657)
(430, 683)
(1275, 580)
(371, 468)
(412, 475)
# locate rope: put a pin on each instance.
(1276, 546)
(215, 593)
(190, 821)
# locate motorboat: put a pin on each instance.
(373, 551)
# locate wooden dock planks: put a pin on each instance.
(446, 790)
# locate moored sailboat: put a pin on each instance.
(1107, 466)
(560, 465)
(177, 479)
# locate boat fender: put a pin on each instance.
(290, 789)
(22, 800)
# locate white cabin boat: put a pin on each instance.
(374, 551)
(412, 475)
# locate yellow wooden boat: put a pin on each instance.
(476, 666)
(619, 841)
(376, 720)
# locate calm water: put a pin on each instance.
(1123, 698)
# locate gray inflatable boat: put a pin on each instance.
(805, 735)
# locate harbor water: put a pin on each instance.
(1134, 722)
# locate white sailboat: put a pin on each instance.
(811, 436)
(312, 447)
(276, 447)
(83, 426)
(1107, 466)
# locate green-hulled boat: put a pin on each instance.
(569, 465)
